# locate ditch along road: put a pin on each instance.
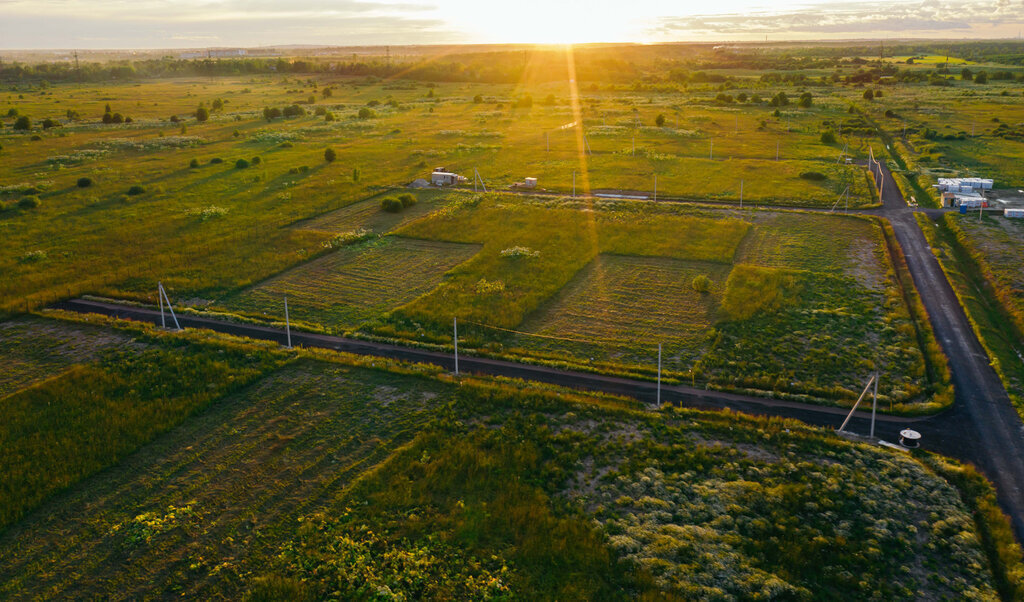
(982, 411)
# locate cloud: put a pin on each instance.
(865, 18)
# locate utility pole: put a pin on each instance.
(573, 184)
(776, 150)
(655, 188)
(455, 338)
(287, 322)
(547, 143)
(741, 194)
(711, 151)
(874, 406)
(659, 374)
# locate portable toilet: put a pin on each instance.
(963, 209)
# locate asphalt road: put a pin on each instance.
(982, 410)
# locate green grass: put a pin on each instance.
(367, 214)
(356, 283)
(988, 315)
(323, 476)
(620, 307)
(58, 431)
(32, 350)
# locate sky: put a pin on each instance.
(105, 24)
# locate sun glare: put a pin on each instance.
(557, 24)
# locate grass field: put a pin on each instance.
(356, 283)
(32, 350)
(320, 478)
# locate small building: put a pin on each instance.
(1015, 212)
(964, 184)
(445, 178)
(948, 199)
(971, 200)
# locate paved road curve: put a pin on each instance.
(982, 409)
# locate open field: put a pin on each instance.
(356, 283)
(320, 476)
(33, 350)
(93, 414)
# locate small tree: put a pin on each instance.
(330, 155)
(194, 163)
(828, 137)
(407, 199)
(701, 283)
(869, 95)
(659, 120)
(391, 204)
(218, 104)
(478, 99)
(50, 123)
(29, 202)
(23, 123)
(117, 118)
(366, 113)
(84, 182)
(136, 190)
(966, 74)
(202, 114)
(805, 100)
(241, 164)
(355, 174)
(981, 78)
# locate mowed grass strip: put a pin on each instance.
(632, 304)
(368, 215)
(356, 283)
(200, 508)
(499, 287)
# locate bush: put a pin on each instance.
(117, 118)
(50, 123)
(194, 163)
(256, 160)
(271, 113)
(355, 174)
(23, 123)
(828, 137)
(329, 116)
(659, 120)
(285, 145)
(29, 202)
(701, 283)
(84, 182)
(136, 189)
(241, 164)
(109, 118)
(478, 99)
(365, 113)
(391, 204)
(805, 100)
(216, 160)
(293, 111)
(202, 114)
(407, 199)
(320, 111)
(330, 155)
(981, 78)
(814, 176)
(869, 95)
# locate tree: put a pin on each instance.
(109, 118)
(981, 78)
(84, 182)
(271, 113)
(966, 74)
(326, 92)
(241, 164)
(701, 283)
(869, 95)
(391, 204)
(29, 202)
(117, 118)
(366, 113)
(407, 199)
(202, 114)
(218, 104)
(828, 137)
(49, 123)
(805, 100)
(330, 155)
(659, 120)
(478, 99)
(194, 163)
(107, 109)
(23, 123)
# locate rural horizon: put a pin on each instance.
(546, 301)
